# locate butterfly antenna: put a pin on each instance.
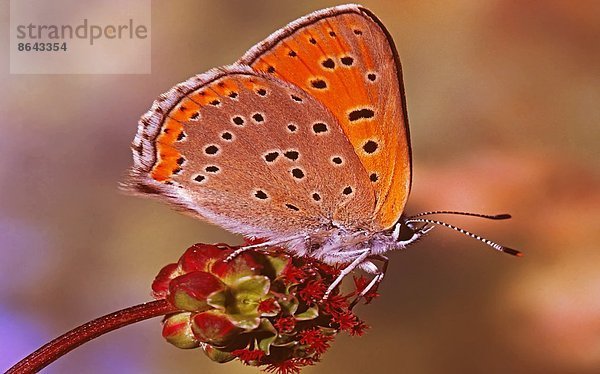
(496, 246)
(487, 216)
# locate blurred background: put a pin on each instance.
(503, 98)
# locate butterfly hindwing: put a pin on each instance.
(253, 154)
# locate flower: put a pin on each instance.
(285, 324)
(313, 291)
(269, 307)
(264, 308)
(316, 341)
(247, 356)
(291, 366)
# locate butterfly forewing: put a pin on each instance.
(253, 154)
(345, 58)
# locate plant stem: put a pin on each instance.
(50, 352)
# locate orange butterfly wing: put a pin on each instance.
(345, 58)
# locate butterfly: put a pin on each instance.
(303, 142)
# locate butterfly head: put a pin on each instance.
(409, 229)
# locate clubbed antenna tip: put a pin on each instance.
(513, 252)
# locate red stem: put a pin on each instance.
(50, 352)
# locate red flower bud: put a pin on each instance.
(160, 286)
(177, 329)
(217, 355)
(214, 327)
(201, 257)
(189, 291)
(242, 265)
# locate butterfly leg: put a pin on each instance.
(345, 271)
(375, 281)
(245, 248)
(418, 234)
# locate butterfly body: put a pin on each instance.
(340, 245)
(303, 142)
